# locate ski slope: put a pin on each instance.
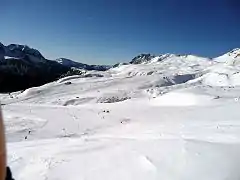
(177, 119)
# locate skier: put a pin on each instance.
(5, 172)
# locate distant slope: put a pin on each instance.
(70, 63)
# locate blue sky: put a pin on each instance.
(110, 31)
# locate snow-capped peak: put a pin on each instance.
(142, 58)
(19, 51)
(149, 59)
(232, 57)
(234, 53)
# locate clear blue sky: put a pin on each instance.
(109, 31)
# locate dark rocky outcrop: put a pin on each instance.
(142, 58)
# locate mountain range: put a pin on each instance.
(22, 67)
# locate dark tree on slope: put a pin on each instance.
(72, 72)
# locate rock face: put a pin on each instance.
(20, 51)
(142, 58)
(147, 58)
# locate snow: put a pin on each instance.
(222, 75)
(181, 99)
(8, 57)
(175, 119)
(230, 58)
(155, 59)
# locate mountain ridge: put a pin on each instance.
(22, 67)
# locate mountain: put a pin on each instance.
(142, 58)
(231, 58)
(148, 58)
(22, 67)
(70, 63)
(19, 51)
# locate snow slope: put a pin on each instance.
(230, 58)
(70, 63)
(174, 119)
